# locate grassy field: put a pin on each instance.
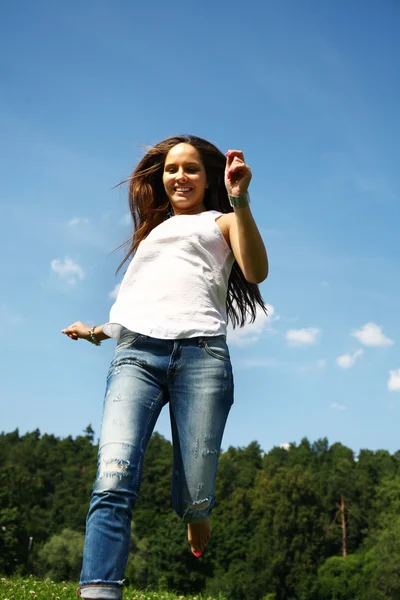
(31, 588)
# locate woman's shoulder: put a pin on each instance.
(224, 221)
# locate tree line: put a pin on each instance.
(312, 522)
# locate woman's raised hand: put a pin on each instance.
(77, 331)
(237, 173)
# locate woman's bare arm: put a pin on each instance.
(80, 331)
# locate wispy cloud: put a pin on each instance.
(266, 362)
(394, 381)
(303, 337)
(96, 233)
(67, 270)
(337, 406)
(284, 366)
(78, 221)
(114, 293)
(346, 361)
(309, 367)
(369, 182)
(371, 335)
(378, 186)
(126, 220)
(251, 333)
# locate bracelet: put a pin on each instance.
(93, 338)
(239, 201)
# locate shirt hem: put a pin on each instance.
(113, 329)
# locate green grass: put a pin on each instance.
(31, 588)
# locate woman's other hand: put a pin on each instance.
(237, 173)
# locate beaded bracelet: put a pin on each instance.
(93, 338)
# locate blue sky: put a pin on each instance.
(310, 92)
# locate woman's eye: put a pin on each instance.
(188, 170)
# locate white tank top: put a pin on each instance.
(176, 284)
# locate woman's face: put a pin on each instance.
(184, 179)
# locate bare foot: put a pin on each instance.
(199, 535)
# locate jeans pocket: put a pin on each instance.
(128, 339)
(218, 348)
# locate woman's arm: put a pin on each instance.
(81, 331)
(245, 239)
(247, 245)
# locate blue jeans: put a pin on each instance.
(195, 376)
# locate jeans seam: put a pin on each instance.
(151, 413)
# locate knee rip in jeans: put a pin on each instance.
(209, 452)
(199, 505)
(113, 467)
(197, 510)
(209, 439)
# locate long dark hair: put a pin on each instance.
(149, 206)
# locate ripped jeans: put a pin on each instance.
(195, 376)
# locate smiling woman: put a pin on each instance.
(185, 179)
(197, 256)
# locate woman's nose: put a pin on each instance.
(181, 174)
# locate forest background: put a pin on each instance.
(306, 522)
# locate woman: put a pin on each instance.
(197, 257)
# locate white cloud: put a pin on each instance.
(67, 270)
(394, 381)
(371, 335)
(285, 445)
(251, 333)
(337, 406)
(76, 221)
(114, 293)
(302, 337)
(346, 361)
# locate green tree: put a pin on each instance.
(381, 573)
(339, 578)
(287, 544)
(337, 491)
(62, 556)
